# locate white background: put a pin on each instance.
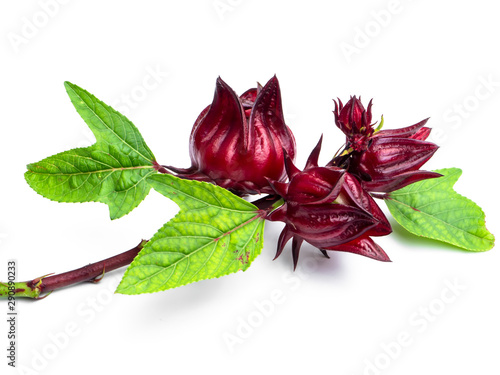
(339, 316)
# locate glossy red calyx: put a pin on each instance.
(328, 208)
(384, 160)
(239, 142)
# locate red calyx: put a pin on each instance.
(384, 160)
(239, 142)
(328, 208)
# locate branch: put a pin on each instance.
(92, 272)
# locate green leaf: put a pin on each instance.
(431, 208)
(113, 171)
(214, 234)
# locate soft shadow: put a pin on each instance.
(313, 264)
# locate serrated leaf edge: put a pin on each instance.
(71, 86)
(162, 179)
(120, 290)
(457, 172)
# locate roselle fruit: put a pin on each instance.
(384, 160)
(328, 208)
(239, 142)
(355, 122)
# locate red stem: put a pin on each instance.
(86, 273)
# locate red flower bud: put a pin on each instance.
(239, 142)
(329, 209)
(355, 122)
(384, 160)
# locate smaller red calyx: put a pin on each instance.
(355, 122)
(328, 208)
(384, 160)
